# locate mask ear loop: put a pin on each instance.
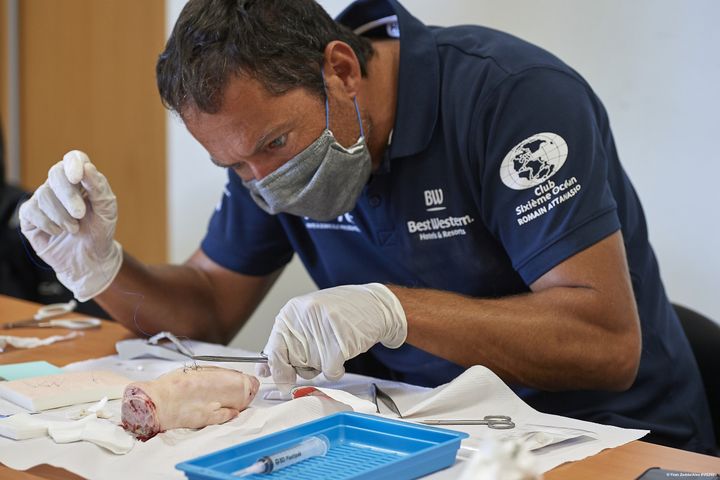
(327, 105)
(327, 108)
(357, 110)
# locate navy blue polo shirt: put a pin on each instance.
(501, 166)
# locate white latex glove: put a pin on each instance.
(70, 222)
(321, 330)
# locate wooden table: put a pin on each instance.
(624, 462)
(93, 344)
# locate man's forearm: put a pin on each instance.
(556, 339)
(149, 299)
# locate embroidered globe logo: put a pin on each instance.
(533, 161)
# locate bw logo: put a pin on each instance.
(434, 200)
(346, 217)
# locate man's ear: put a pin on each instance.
(342, 67)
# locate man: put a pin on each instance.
(454, 192)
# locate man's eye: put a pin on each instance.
(277, 143)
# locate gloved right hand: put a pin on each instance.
(70, 222)
(319, 331)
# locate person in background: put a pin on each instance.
(454, 192)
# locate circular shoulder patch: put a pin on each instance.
(533, 161)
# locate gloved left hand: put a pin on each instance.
(70, 222)
(319, 331)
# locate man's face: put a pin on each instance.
(254, 132)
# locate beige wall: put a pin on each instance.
(3, 63)
(87, 81)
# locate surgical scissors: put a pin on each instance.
(40, 319)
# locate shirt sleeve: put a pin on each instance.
(544, 180)
(242, 237)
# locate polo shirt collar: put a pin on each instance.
(418, 77)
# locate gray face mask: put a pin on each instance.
(322, 182)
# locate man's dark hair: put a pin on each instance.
(278, 42)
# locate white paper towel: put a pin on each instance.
(34, 342)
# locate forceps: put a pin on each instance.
(222, 358)
(40, 319)
(182, 349)
(496, 422)
(262, 358)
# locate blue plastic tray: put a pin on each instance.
(361, 447)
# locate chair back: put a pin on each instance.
(704, 337)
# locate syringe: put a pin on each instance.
(316, 446)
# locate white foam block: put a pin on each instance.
(63, 389)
